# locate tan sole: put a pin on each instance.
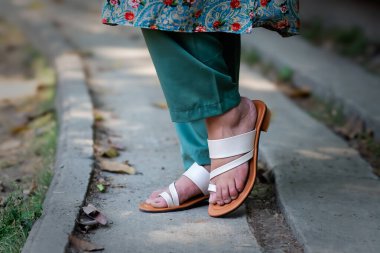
(144, 207)
(262, 124)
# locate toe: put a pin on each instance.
(158, 202)
(212, 198)
(226, 194)
(239, 185)
(232, 189)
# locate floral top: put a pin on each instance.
(234, 16)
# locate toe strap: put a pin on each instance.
(212, 188)
(199, 175)
(231, 165)
(172, 198)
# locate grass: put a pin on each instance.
(20, 211)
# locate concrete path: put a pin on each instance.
(328, 75)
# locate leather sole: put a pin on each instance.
(144, 207)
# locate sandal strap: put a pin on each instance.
(211, 188)
(231, 146)
(229, 166)
(167, 198)
(199, 175)
(174, 193)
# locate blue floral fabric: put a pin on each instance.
(234, 16)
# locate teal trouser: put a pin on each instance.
(199, 75)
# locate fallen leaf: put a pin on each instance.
(31, 189)
(101, 187)
(91, 211)
(111, 153)
(161, 105)
(19, 129)
(98, 117)
(117, 167)
(83, 245)
(353, 127)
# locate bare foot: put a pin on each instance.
(185, 187)
(238, 120)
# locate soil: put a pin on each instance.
(265, 218)
(22, 119)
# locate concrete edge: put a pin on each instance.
(317, 85)
(74, 152)
(73, 161)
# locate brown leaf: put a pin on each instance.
(111, 152)
(117, 167)
(31, 189)
(82, 245)
(353, 127)
(296, 92)
(161, 105)
(19, 129)
(95, 214)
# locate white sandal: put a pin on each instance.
(246, 144)
(199, 176)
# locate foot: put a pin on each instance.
(238, 120)
(185, 187)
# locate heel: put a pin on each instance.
(266, 121)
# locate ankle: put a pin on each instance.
(222, 125)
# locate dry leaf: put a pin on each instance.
(98, 117)
(296, 92)
(117, 167)
(10, 144)
(161, 105)
(31, 189)
(352, 128)
(111, 153)
(83, 245)
(91, 211)
(19, 129)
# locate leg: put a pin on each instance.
(199, 78)
(193, 142)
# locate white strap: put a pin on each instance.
(212, 188)
(199, 175)
(229, 166)
(167, 198)
(231, 146)
(174, 193)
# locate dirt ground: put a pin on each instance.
(22, 120)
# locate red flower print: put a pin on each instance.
(235, 26)
(284, 9)
(168, 2)
(216, 24)
(104, 21)
(113, 2)
(235, 4)
(282, 24)
(264, 3)
(200, 28)
(198, 13)
(129, 16)
(154, 27)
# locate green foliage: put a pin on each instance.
(285, 74)
(252, 57)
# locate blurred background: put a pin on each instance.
(339, 43)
